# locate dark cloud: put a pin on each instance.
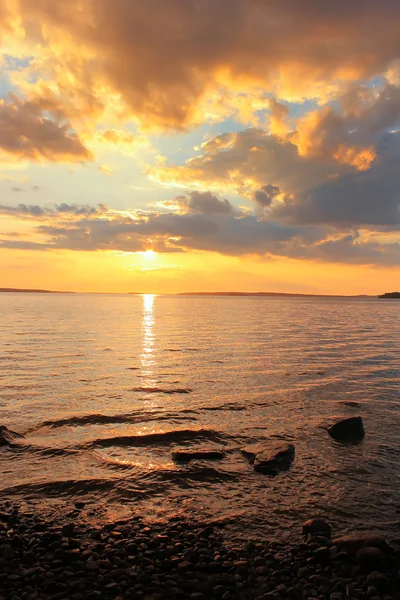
(24, 210)
(225, 233)
(265, 195)
(368, 198)
(206, 202)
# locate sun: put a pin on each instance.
(149, 254)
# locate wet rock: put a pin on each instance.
(353, 543)
(200, 454)
(270, 458)
(370, 558)
(8, 437)
(348, 430)
(316, 528)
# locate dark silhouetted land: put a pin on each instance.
(390, 295)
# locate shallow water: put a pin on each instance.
(106, 387)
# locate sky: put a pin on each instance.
(163, 146)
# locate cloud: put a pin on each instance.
(207, 202)
(64, 209)
(106, 170)
(80, 228)
(266, 194)
(26, 133)
(338, 167)
(164, 60)
(370, 199)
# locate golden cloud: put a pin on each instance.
(27, 134)
(160, 61)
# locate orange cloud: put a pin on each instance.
(360, 158)
(26, 133)
(159, 61)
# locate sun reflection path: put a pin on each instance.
(147, 358)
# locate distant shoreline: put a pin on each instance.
(28, 291)
(285, 294)
(206, 294)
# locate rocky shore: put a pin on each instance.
(40, 559)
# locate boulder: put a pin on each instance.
(353, 543)
(199, 454)
(270, 458)
(8, 437)
(370, 558)
(348, 430)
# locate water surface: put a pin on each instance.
(106, 387)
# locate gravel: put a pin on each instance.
(177, 560)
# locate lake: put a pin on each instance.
(106, 387)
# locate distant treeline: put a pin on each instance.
(390, 295)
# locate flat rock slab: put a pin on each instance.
(201, 454)
(270, 457)
(348, 430)
(8, 437)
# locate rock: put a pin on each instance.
(270, 458)
(7, 552)
(317, 527)
(379, 581)
(8, 437)
(322, 555)
(348, 430)
(200, 454)
(68, 529)
(353, 543)
(252, 450)
(370, 558)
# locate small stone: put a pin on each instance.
(94, 596)
(68, 530)
(322, 555)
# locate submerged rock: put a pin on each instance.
(8, 437)
(270, 458)
(348, 430)
(199, 454)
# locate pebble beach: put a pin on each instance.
(68, 560)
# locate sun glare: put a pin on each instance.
(149, 254)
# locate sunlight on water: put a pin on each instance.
(147, 357)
